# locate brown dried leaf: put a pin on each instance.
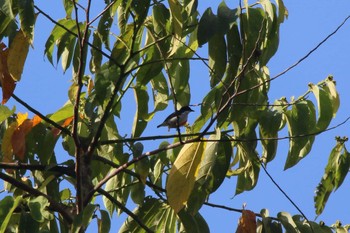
(247, 222)
(7, 83)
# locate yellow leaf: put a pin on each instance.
(21, 117)
(6, 146)
(17, 55)
(247, 222)
(183, 174)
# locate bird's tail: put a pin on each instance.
(163, 124)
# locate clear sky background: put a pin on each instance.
(45, 88)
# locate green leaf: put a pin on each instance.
(63, 113)
(331, 89)
(27, 18)
(253, 30)
(325, 107)
(122, 46)
(176, 17)
(217, 59)
(182, 175)
(141, 115)
(5, 112)
(301, 120)
(68, 7)
(160, 19)
(118, 184)
(28, 224)
(38, 209)
(138, 193)
(7, 206)
(207, 26)
(105, 223)
(335, 172)
(287, 222)
(155, 214)
(269, 125)
(55, 37)
(160, 92)
(191, 223)
(222, 163)
(96, 56)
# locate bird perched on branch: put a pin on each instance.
(177, 119)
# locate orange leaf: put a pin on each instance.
(6, 146)
(247, 222)
(19, 139)
(67, 122)
(36, 120)
(7, 83)
(17, 55)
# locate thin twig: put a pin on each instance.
(123, 208)
(48, 120)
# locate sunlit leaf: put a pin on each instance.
(287, 222)
(176, 15)
(335, 173)
(27, 19)
(269, 126)
(63, 113)
(325, 107)
(301, 120)
(183, 174)
(331, 89)
(5, 112)
(140, 118)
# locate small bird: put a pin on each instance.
(176, 119)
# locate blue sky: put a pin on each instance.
(309, 22)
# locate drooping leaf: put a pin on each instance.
(176, 17)
(301, 121)
(217, 59)
(141, 115)
(269, 125)
(207, 26)
(104, 223)
(155, 214)
(191, 223)
(325, 107)
(8, 84)
(287, 222)
(8, 206)
(331, 89)
(183, 174)
(247, 222)
(27, 19)
(335, 173)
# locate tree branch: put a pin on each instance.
(60, 208)
(123, 208)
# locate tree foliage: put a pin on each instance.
(146, 48)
